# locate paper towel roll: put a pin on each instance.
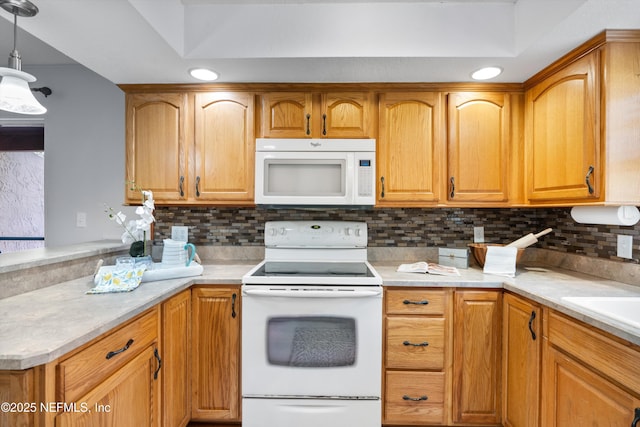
(606, 215)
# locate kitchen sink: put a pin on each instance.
(623, 309)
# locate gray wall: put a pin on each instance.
(84, 152)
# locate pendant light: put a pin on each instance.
(15, 94)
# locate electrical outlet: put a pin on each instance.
(81, 219)
(478, 234)
(625, 246)
(180, 233)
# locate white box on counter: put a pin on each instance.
(454, 257)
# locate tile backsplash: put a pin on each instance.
(411, 227)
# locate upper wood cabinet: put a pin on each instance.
(410, 154)
(521, 361)
(224, 147)
(191, 148)
(478, 147)
(563, 142)
(317, 115)
(582, 125)
(156, 145)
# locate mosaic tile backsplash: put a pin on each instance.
(437, 227)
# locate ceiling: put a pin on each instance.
(158, 41)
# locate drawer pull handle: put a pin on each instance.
(324, 124)
(308, 124)
(636, 419)
(233, 306)
(420, 344)
(116, 352)
(531, 319)
(157, 355)
(382, 185)
(423, 302)
(415, 399)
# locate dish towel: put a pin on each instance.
(110, 280)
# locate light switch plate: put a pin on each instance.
(625, 246)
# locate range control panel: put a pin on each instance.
(317, 234)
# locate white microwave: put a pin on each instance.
(315, 172)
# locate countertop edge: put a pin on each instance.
(558, 282)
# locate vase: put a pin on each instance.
(137, 249)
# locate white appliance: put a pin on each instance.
(315, 172)
(312, 329)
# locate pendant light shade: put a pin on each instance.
(15, 94)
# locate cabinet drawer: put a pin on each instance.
(414, 398)
(415, 343)
(415, 301)
(82, 371)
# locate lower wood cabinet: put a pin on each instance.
(215, 372)
(589, 378)
(113, 381)
(521, 361)
(416, 354)
(477, 338)
(176, 352)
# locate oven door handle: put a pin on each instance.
(311, 294)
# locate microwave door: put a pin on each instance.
(309, 179)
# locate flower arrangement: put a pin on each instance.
(136, 229)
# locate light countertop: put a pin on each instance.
(39, 326)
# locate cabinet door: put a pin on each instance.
(216, 354)
(287, 115)
(478, 147)
(522, 338)
(409, 149)
(577, 396)
(17, 387)
(127, 398)
(346, 115)
(176, 346)
(476, 357)
(562, 138)
(224, 147)
(156, 150)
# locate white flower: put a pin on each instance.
(136, 230)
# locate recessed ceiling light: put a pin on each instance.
(486, 73)
(204, 74)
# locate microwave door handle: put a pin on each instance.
(311, 294)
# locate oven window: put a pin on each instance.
(313, 342)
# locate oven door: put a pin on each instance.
(312, 341)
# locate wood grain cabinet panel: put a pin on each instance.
(588, 377)
(176, 352)
(563, 144)
(88, 367)
(331, 114)
(410, 149)
(476, 357)
(156, 145)
(478, 147)
(224, 147)
(415, 398)
(216, 354)
(126, 398)
(416, 374)
(521, 361)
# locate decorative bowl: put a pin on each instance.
(479, 251)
